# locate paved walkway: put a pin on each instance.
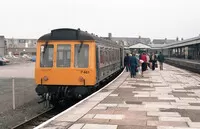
(167, 99)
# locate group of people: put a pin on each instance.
(132, 63)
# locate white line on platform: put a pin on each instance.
(53, 118)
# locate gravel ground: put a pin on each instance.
(11, 118)
(26, 98)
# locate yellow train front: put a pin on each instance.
(72, 63)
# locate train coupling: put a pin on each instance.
(41, 101)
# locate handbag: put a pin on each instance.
(150, 65)
(136, 69)
(156, 65)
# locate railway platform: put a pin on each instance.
(168, 99)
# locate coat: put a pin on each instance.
(155, 58)
(126, 60)
(161, 58)
(133, 61)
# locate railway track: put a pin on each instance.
(35, 121)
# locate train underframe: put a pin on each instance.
(59, 95)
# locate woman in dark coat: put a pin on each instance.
(133, 65)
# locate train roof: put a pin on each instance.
(72, 34)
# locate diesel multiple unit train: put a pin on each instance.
(72, 63)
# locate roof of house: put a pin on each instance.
(162, 41)
(139, 45)
(128, 41)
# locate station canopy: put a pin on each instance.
(139, 45)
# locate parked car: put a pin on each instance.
(6, 60)
(2, 61)
(33, 58)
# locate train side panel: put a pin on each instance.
(109, 60)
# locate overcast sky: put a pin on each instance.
(123, 18)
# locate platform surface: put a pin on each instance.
(168, 99)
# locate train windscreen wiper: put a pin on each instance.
(45, 47)
(79, 50)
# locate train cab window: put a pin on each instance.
(46, 56)
(63, 55)
(81, 55)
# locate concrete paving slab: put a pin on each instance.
(165, 99)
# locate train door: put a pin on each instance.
(122, 57)
(97, 64)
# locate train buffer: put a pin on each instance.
(168, 99)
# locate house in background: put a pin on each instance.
(158, 44)
(21, 46)
(2, 46)
(141, 44)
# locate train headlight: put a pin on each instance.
(45, 78)
(81, 79)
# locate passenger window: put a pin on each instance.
(46, 56)
(101, 55)
(105, 55)
(81, 55)
(63, 55)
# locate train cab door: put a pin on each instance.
(97, 63)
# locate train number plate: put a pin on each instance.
(85, 72)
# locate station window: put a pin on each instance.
(46, 56)
(81, 55)
(63, 55)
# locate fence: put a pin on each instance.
(15, 92)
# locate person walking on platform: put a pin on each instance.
(143, 57)
(161, 59)
(133, 65)
(127, 62)
(148, 65)
(153, 60)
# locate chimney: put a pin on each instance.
(181, 38)
(139, 37)
(177, 39)
(165, 41)
(110, 35)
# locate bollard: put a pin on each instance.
(13, 91)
